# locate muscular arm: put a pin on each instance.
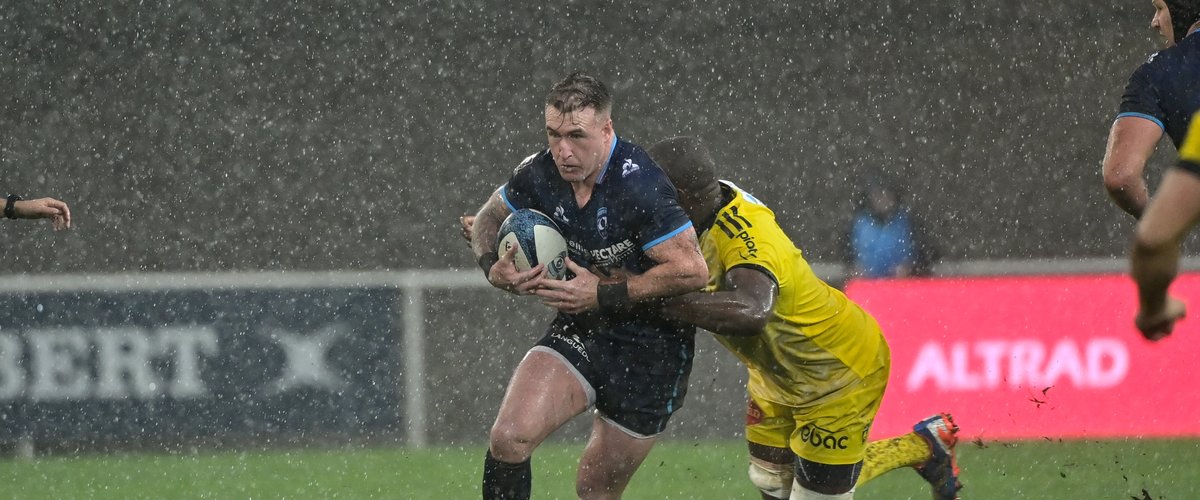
(487, 224)
(1154, 260)
(680, 269)
(502, 273)
(1130, 144)
(741, 307)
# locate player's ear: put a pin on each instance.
(607, 129)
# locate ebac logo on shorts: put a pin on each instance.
(820, 438)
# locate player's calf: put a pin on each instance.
(801, 493)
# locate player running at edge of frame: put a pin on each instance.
(818, 363)
(1160, 97)
(1154, 258)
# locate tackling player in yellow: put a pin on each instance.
(818, 362)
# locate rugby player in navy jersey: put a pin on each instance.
(620, 217)
(1161, 96)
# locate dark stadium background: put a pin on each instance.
(329, 135)
(251, 135)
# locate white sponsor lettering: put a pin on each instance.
(12, 377)
(59, 370)
(105, 363)
(990, 364)
(188, 344)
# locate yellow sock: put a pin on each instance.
(890, 454)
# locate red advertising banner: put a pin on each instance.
(1034, 357)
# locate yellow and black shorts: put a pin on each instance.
(832, 432)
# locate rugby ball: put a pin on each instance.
(538, 240)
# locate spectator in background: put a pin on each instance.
(885, 239)
(16, 207)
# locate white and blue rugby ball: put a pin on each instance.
(539, 240)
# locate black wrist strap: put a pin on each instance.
(487, 260)
(10, 206)
(613, 297)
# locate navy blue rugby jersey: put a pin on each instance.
(1166, 88)
(633, 208)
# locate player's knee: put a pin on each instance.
(774, 480)
(509, 444)
(801, 493)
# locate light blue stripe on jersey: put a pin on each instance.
(604, 169)
(511, 208)
(678, 377)
(1143, 116)
(666, 237)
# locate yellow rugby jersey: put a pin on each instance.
(817, 341)
(1189, 151)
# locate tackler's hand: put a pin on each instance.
(1157, 325)
(505, 276)
(570, 296)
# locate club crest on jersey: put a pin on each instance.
(561, 214)
(602, 222)
(629, 167)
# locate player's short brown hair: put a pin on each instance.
(579, 91)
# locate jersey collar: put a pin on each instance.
(604, 169)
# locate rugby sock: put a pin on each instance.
(890, 454)
(504, 481)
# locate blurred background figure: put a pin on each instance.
(885, 239)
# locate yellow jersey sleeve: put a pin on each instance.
(1189, 152)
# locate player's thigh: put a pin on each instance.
(769, 427)
(836, 432)
(610, 458)
(543, 394)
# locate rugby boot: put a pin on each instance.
(941, 470)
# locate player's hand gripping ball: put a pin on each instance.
(538, 239)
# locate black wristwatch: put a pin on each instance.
(10, 206)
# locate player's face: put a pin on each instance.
(1161, 23)
(579, 141)
(693, 204)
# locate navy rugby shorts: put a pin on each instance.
(635, 377)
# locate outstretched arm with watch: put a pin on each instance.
(59, 214)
